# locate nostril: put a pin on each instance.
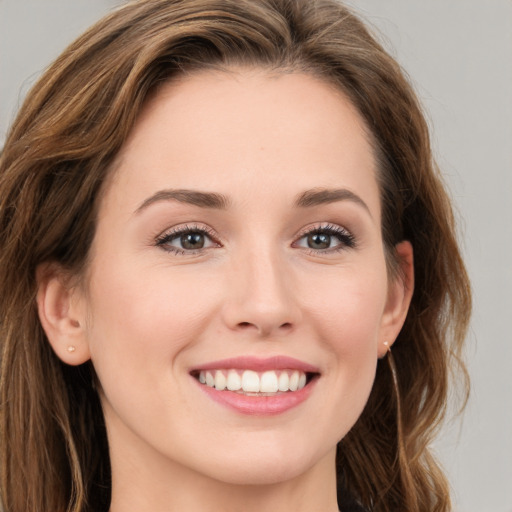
(266, 327)
(244, 325)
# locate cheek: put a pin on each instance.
(147, 317)
(347, 309)
(142, 329)
(347, 313)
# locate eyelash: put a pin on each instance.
(346, 239)
(169, 236)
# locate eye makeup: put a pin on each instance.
(195, 238)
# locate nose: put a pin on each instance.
(260, 297)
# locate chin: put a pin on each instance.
(266, 467)
(258, 474)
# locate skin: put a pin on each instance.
(148, 315)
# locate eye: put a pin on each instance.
(187, 240)
(330, 238)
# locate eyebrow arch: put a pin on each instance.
(318, 196)
(194, 197)
(308, 198)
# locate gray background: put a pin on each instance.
(458, 54)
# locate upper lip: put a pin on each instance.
(258, 364)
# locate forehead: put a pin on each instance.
(245, 126)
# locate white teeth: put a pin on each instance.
(294, 381)
(220, 381)
(268, 382)
(234, 381)
(249, 381)
(284, 382)
(302, 380)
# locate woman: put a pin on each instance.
(217, 219)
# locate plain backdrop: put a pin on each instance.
(458, 54)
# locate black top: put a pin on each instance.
(354, 507)
(348, 504)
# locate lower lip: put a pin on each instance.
(259, 405)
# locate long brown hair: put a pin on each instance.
(54, 452)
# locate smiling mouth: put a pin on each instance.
(253, 383)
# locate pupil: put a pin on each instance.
(319, 241)
(192, 241)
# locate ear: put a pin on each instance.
(62, 315)
(400, 290)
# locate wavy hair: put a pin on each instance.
(53, 445)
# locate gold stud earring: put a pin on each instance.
(71, 349)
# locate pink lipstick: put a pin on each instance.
(257, 386)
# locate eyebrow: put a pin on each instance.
(319, 196)
(194, 197)
(214, 200)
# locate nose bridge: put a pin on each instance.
(261, 295)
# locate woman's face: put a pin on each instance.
(239, 243)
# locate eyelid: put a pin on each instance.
(333, 230)
(174, 232)
(345, 237)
